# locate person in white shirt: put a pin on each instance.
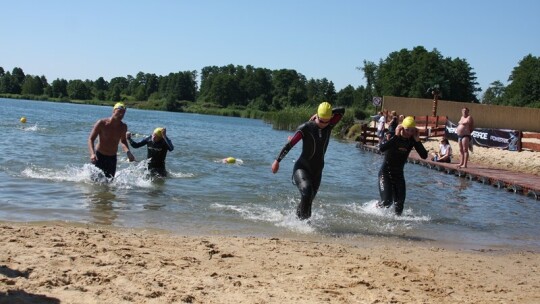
(381, 125)
(445, 152)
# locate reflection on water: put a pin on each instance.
(101, 203)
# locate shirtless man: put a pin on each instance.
(110, 131)
(464, 131)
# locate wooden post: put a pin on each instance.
(435, 93)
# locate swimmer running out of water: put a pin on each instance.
(158, 144)
(396, 151)
(307, 172)
(110, 131)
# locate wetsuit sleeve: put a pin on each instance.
(288, 146)
(389, 144)
(136, 145)
(419, 147)
(337, 115)
(170, 146)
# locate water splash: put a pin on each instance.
(134, 175)
(33, 128)
(280, 218)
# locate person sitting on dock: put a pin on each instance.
(445, 152)
(396, 152)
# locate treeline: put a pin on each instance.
(524, 89)
(406, 73)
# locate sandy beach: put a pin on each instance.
(65, 263)
(56, 263)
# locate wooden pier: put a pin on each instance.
(522, 183)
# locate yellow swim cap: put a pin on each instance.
(408, 122)
(158, 132)
(119, 105)
(230, 160)
(325, 110)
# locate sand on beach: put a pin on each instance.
(59, 263)
(524, 161)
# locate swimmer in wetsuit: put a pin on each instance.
(307, 172)
(158, 145)
(396, 151)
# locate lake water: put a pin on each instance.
(45, 176)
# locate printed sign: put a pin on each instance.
(377, 101)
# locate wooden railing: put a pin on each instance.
(431, 126)
(533, 146)
(368, 135)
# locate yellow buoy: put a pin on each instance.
(23, 119)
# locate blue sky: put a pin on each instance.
(320, 39)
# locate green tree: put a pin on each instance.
(224, 91)
(9, 84)
(257, 85)
(32, 85)
(410, 73)
(16, 81)
(493, 93)
(117, 87)
(345, 97)
(77, 89)
(59, 88)
(282, 81)
(372, 85)
(524, 87)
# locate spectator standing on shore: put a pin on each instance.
(381, 125)
(392, 125)
(464, 131)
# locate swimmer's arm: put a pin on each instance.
(170, 146)
(92, 138)
(388, 144)
(136, 145)
(419, 147)
(337, 115)
(125, 146)
(289, 145)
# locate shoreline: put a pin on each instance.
(51, 263)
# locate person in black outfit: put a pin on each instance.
(396, 151)
(158, 144)
(307, 172)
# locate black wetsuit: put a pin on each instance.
(307, 172)
(106, 163)
(391, 179)
(157, 152)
